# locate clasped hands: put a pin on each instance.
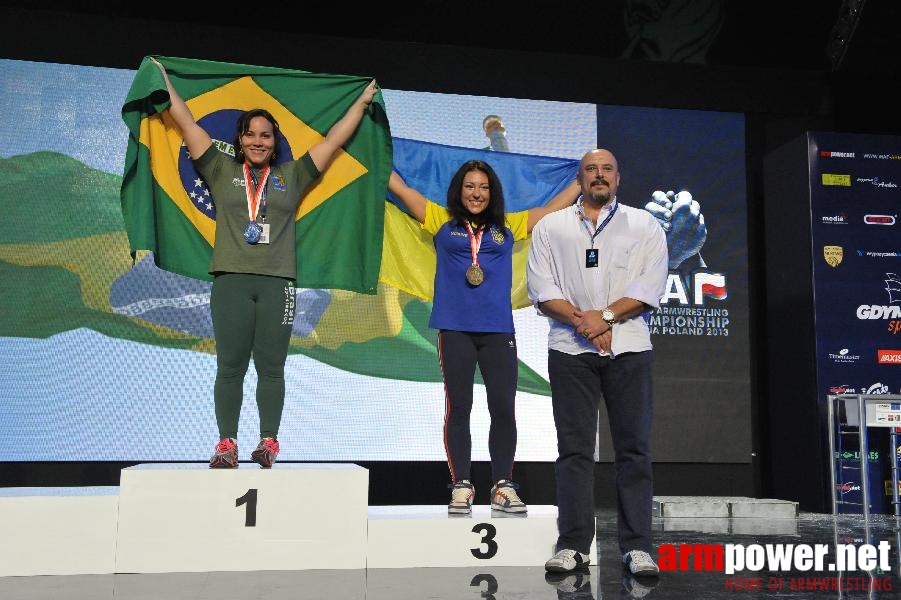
(681, 218)
(593, 328)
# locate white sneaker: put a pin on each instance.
(462, 494)
(566, 560)
(640, 563)
(571, 582)
(638, 589)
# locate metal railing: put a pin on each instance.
(861, 402)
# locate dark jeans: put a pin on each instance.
(577, 384)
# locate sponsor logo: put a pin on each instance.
(834, 179)
(890, 311)
(876, 182)
(889, 357)
(844, 488)
(876, 254)
(829, 154)
(893, 418)
(841, 219)
(877, 389)
(875, 311)
(879, 219)
(883, 156)
(849, 455)
(842, 389)
(833, 255)
(844, 356)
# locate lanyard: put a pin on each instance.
(256, 192)
(475, 241)
(600, 227)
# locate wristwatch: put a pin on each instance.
(608, 317)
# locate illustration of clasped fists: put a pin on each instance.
(681, 219)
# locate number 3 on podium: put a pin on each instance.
(487, 540)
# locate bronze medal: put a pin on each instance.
(475, 275)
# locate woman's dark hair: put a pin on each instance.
(244, 126)
(494, 213)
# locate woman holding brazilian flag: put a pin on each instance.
(254, 199)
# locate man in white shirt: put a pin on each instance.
(597, 269)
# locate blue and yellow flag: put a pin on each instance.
(408, 254)
(340, 219)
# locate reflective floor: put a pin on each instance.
(604, 580)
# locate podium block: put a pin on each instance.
(58, 531)
(190, 518)
(426, 536)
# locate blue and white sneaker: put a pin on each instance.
(462, 494)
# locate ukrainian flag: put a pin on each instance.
(408, 254)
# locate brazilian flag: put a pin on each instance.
(340, 219)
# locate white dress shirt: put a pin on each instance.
(632, 262)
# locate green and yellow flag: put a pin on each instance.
(340, 219)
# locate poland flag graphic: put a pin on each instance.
(710, 285)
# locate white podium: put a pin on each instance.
(57, 531)
(426, 536)
(190, 518)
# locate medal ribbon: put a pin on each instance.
(475, 241)
(600, 227)
(254, 196)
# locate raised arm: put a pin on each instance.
(323, 152)
(566, 197)
(412, 199)
(196, 138)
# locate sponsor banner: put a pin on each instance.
(853, 182)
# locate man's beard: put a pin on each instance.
(601, 197)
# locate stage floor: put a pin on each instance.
(604, 580)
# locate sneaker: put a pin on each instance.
(462, 494)
(636, 588)
(571, 583)
(226, 455)
(265, 453)
(566, 560)
(640, 563)
(504, 497)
